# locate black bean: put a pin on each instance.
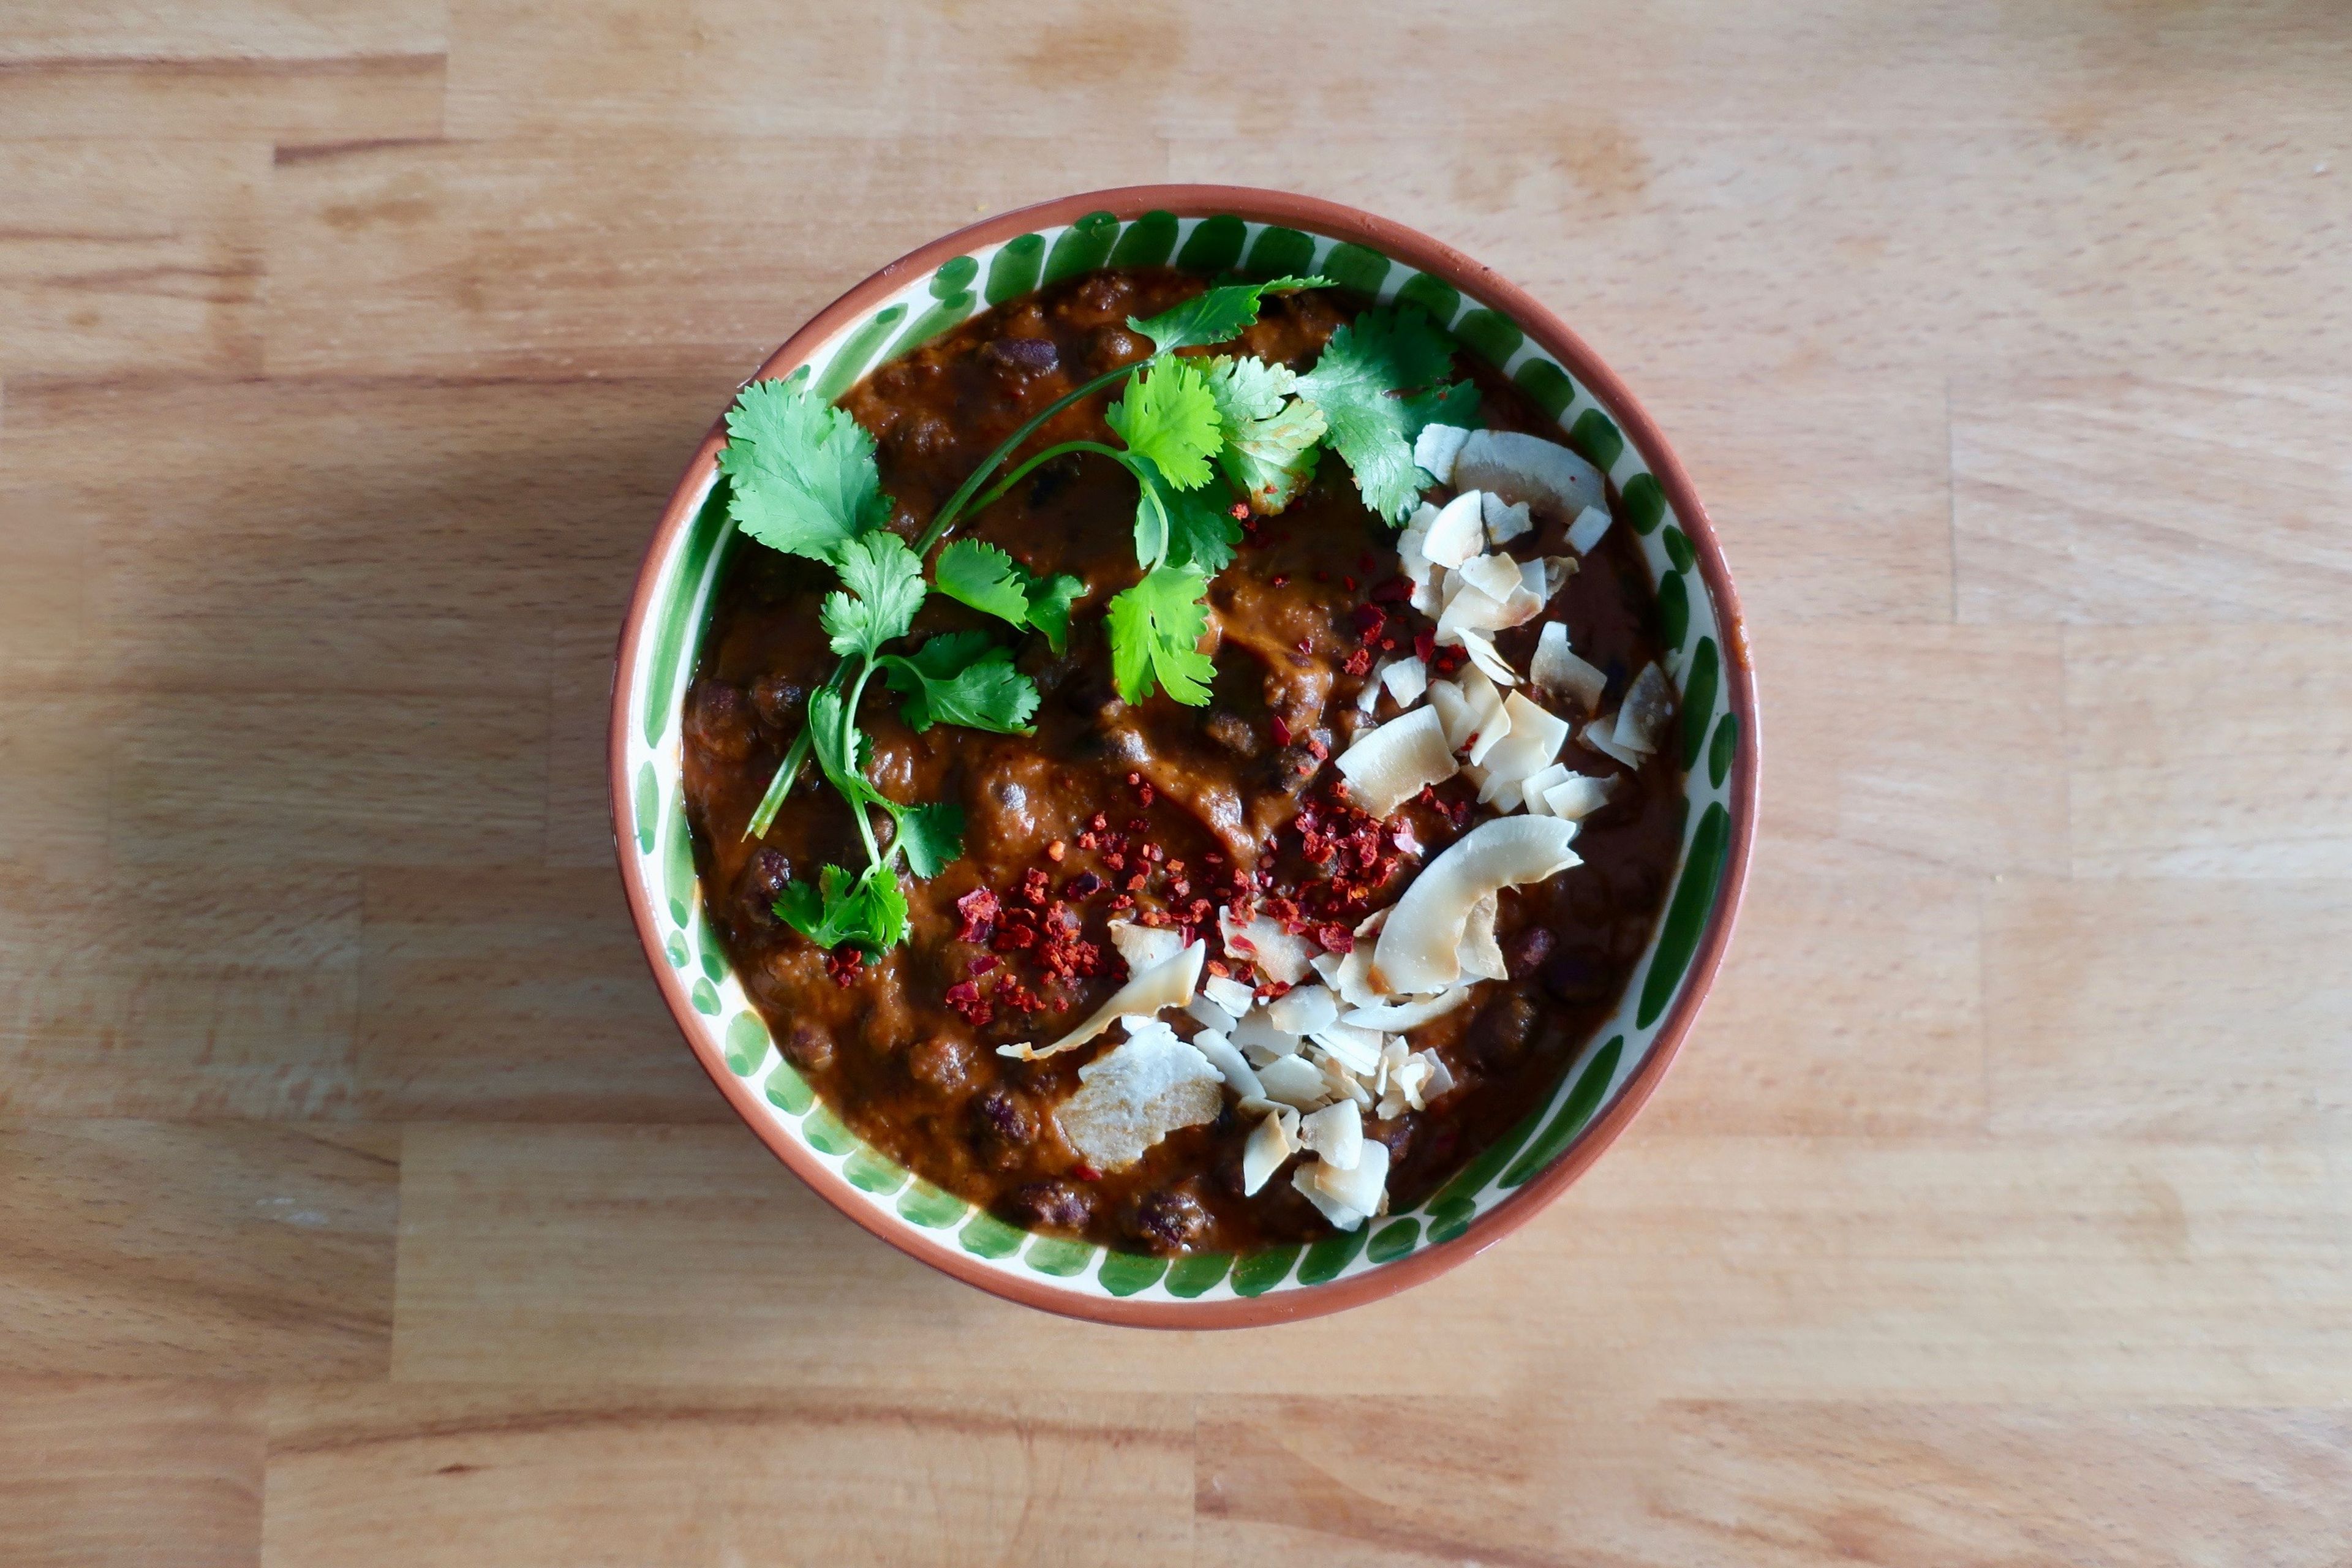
(1113, 346)
(809, 1048)
(1170, 1220)
(720, 720)
(1527, 950)
(1031, 357)
(1004, 1124)
(765, 875)
(1578, 975)
(1234, 732)
(1498, 1035)
(779, 698)
(1050, 1205)
(941, 1063)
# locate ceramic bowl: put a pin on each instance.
(1209, 229)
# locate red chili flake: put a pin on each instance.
(1121, 903)
(1387, 645)
(1316, 749)
(1056, 850)
(1281, 730)
(1322, 575)
(1178, 887)
(1019, 997)
(1367, 620)
(1135, 883)
(964, 998)
(1145, 794)
(1034, 888)
(1099, 822)
(1349, 584)
(1304, 646)
(1239, 511)
(1085, 885)
(1086, 1173)
(1337, 939)
(844, 963)
(979, 909)
(1282, 579)
(1365, 562)
(1272, 989)
(1137, 825)
(1213, 859)
(1154, 853)
(1216, 967)
(982, 964)
(1358, 662)
(1088, 841)
(1425, 644)
(1392, 590)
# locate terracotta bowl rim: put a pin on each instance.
(1478, 283)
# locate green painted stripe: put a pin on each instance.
(1645, 504)
(1328, 1256)
(1699, 698)
(927, 1205)
(1082, 246)
(747, 1044)
(1356, 267)
(988, 1237)
(1678, 548)
(1434, 295)
(1188, 1277)
(1674, 610)
(1574, 1112)
(1148, 241)
(932, 323)
(1724, 747)
(675, 951)
(1214, 246)
(1125, 1273)
(1686, 915)
(954, 276)
(1279, 252)
(871, 1172)
(705, 941)
(1548, 384)
(850, 362)
(788, 1092)
(1013, 271)
(1600, 440)
(705, 997)
(1058, 1256)
(1395, 1241)
(1495, 337)
(677, 866)
(1448, 1220)
(1261, 1271)
(648, 808)
(677, 604)
(1471, 1179)
(826, 1134)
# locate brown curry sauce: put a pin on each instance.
(1199, 803)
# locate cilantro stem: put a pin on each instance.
(849, 751)
(954, 509)
(997, 492)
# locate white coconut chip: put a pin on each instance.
(1456, 533)
(1168, 984)
(1434, 449)
(1302, 1010)
(1136, 1093)
(1326, 966)
(1342, 1085)
(1556, 570)
(1268, 1146)
(1579, 796)
(1558, 674)
(1363, 1187)
(1493, 575)
(1427, 593)
(1369, 697)
(1531, 792)
(1418, 948)
(1601, 735)
(1334, 1134)
(1412, 559)
(1231, 1064)
(1478, 953)
(1440, 1081)
(1144, 947)
(1505, 520)
(1358, 1050)
(1643, 717)
(1527, 467)
(1294, 1082)
(1392, 762)
(1482, 654)
(1536, 737)
(1342, 1217)
(1586, 530)
(1406, 680)
(1210, 1016)
(1257, 1035)
(1403, 1015)
(1229, 994)
(1277, 954)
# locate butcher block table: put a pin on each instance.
(359, 1203)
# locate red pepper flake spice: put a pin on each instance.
(1056, 850)
(965, 999)
(1034, 888)
(1086, 1173)
(1281, 730)
(1425, 645)
(979, 909)
(845, 964)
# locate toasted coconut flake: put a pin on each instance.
(1531, 793)
(1434, 449)
(1418, 948)
(1407, 1015)
(1342, 1085)
(1558, 570)
(1536, 737)
(1229, 994)
(1257, 1035)
(1167, 984)
(1529, 468)
(1482, 654)
(1326, 966)
(1231, 1064)
(1358, 1050)
(1643, 717)
(1586, 530)
(1427, 592)
(1505, 520)
(1210, 1016)
(1136, 1093)
(1406, 680)
(1144, 947)
(1579, 796)
(1453, 711)
(1458, 532)
(1478, 953)
(1303, 1010)
(1335, 1133)
(1360, 1186)
(1262, 1155)
(1440, 1081)
(1558, 674)
(1493, 575)
(1294, 1082)
(1391, 764)
(1342, 1217)
(1278, 954)
(1601, 735)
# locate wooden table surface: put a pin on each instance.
(1999, 1210)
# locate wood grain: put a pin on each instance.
(358, 1204)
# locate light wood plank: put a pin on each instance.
(584, 1475)
(114, 1473)
(145, 1249)
(298, 103)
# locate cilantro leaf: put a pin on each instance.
(960, 677)
(887, 579)
(1356, 384)
(834, 744)
(1270, 435)
(1155, 629)
(1217, 315)
(869, 910)
(1167, 414)
(802, 472)
(992, 581)
(932, 836)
